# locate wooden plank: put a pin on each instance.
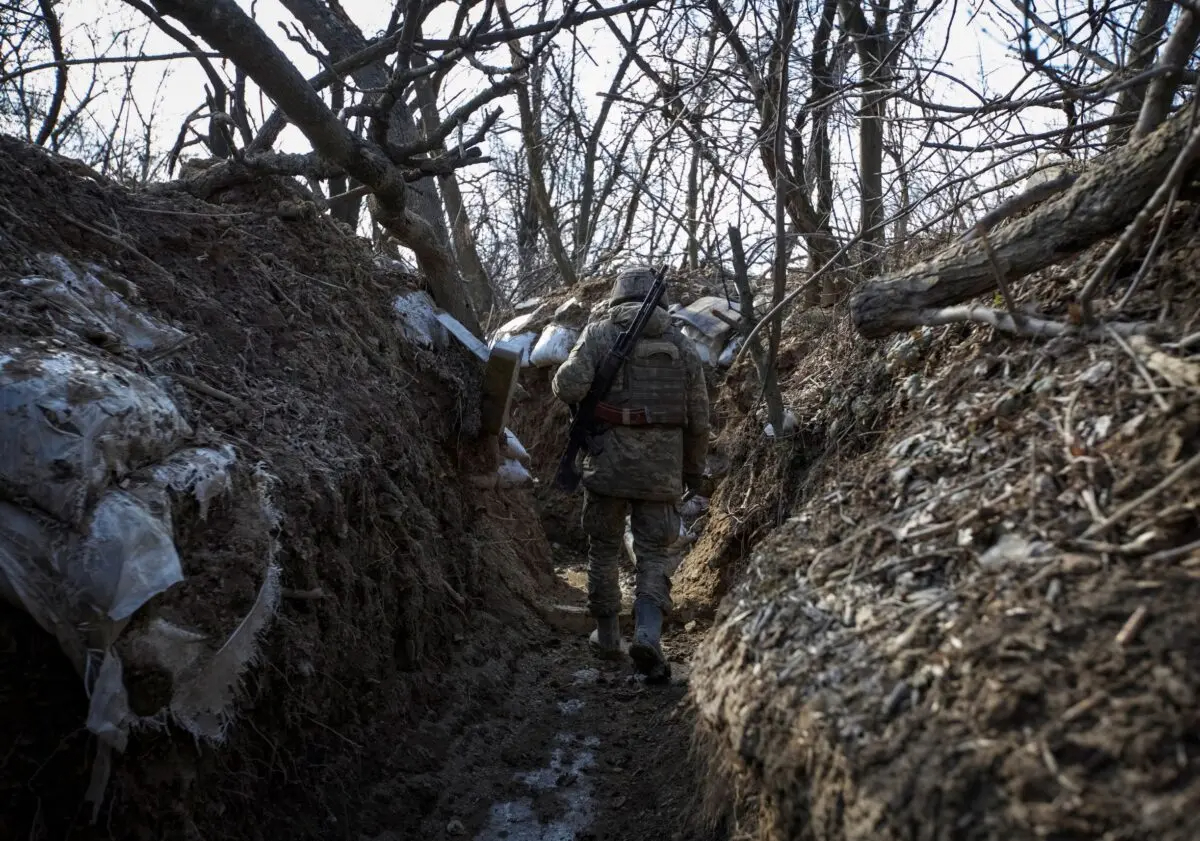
(499, 385)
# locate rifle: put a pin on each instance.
(585, 429)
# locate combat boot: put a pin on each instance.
(606, 639)
(646, 650)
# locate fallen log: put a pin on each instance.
(1105, 198)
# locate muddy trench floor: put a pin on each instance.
(576, 749)
(583, 749)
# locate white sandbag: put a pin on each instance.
(417, 318)
(730, 351)
(553, 346)
(71, 425)
(514, 325)
(93, 309)
(701, 342)
(512, 474)
(528, 305)
(790, 425)
(521, 343)
(514, 449)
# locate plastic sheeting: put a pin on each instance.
(91, 457)
(700, 316)
(96, 312)
(513, 474)
(553, 346)
(730, 351)
(72, 425)
(790, 425)
(418, 320)
(704, 346)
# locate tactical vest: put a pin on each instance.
(650, 389)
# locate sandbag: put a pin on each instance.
(71, 425)
(553, 346)
(418, 321)
(96, 312)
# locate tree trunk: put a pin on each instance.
(822, 245)
(589, 207)
(1141, 57)
(230, 31)
(342, 39)
(1104, 200)
(531, 135)
(347, 210)
(479, 287)
(693, 207)
(1162, 90)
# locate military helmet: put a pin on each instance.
(631, 287)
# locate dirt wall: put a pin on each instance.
(976, 620)
(405, 595)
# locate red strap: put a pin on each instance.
(609, 413)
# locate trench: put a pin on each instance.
(571, 748)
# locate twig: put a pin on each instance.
(1083, 707)
(165, 352)
(1018, 320)
(1029, 325)
(1132, 625)
(1141, 367)
(1172, 554)
(1023, 201)
(1122, 512)
(115, 240)
(302, 595)
(207, 390)
(895, 515)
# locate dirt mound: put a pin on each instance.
(977, 620)
(404, 595)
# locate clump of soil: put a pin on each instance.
(405, 594)
(977, 618)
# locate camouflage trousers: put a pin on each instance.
(655, 526)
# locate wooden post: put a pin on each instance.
(499, 385)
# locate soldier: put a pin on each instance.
(655, 445)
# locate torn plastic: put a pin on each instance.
(731, 349)
(90, 456)
(790, 425)
(513, 474)
(95, 311)
(553, 346)
(417, 317)
(72, 425)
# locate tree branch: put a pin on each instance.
(60, 81)
(224, 25)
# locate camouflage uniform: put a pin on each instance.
(655, 447)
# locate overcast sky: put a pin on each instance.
(979, 51)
